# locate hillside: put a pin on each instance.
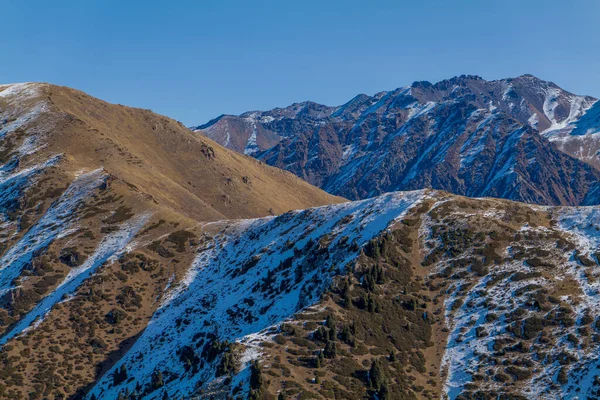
(155, 154)
(82, 182)
(522, 138)
(408, 295)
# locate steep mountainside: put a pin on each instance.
(408, 295)
(579, 138)
(82, 184)
(465, 135)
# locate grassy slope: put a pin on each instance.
(188, 173)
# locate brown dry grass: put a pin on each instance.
(178, 169)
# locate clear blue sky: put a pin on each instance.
(194, 60)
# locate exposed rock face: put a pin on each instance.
(522, 139)
(249, 133)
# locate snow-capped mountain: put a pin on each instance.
(523, 139)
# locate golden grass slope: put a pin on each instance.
(166, 162)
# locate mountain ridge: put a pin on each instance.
(329, 145)
(435, 264)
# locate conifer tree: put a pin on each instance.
(376, 375)
(256, 380)
(157, 380)
(346, 298)
(330, 350)
(330, 322)
(120, 375)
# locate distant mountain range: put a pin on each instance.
(522, 138)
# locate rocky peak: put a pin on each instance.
(432, 135)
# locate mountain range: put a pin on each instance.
(522, 139)
(142, 260)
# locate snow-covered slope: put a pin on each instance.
(508, 293)
(54, 224)
(579, 137)
(454, 135)
(110, 246)
(251, 275)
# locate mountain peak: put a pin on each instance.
(531, 80)
(463, 77)
(421, 84)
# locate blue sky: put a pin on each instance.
(194, 60)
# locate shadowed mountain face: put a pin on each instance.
(522, 139)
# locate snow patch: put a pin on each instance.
(109, 248)
(20, 91)
(252, 145)
(55, 223)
